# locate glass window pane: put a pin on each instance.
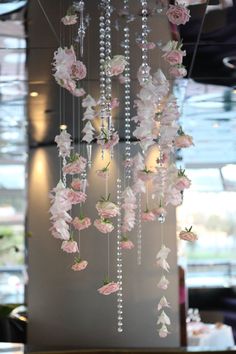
(12, 176)
(211, 259)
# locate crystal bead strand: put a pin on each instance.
(63, 175)
(127, 96)
(102, 70)
(63, 127)
(119, 264)
(161, 217)
(144, 41)
(139, 234)
(145, 74)
(108, 86)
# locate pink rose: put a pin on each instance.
(76, 197)
(126, 244)
(174, 197)
(76, 184)
(81, 224)
(145, 175)
(109, 144)
(107, 209)
(78, 70)
(69, 20)
(70, 246)
(62, 233)
(178, 14)
(102, 173)
(64, 58)
(78, 266)
(78, 165)
(115, 66)
(178, 71)
(148, 216)
(183, 141)
(188, 235)
(174, 57)
(109, 288)
(182, 183)
(159, 211)
(103, 226)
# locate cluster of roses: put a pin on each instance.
(173, 55)
(68, 71)
(92, 111)
(108, 138)
(152, 90)
(157, 116)
(63, 199)
(106, 210)
(178, 14)
(156, 119)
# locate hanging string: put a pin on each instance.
(49, 22)
(147, 195)
(162, 234)
(108, 235)
(108, 256)
(79, 243)
(139, 233)
(60, 88)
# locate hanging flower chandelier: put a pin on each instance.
(156, 125)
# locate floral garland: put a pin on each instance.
(156, 125)
(63, 198)
(69, 71)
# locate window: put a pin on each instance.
(208, 113)
(13, 158)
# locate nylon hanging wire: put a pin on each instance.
(49, 22)
(194, 55)
(198, 41)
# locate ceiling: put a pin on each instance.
(207, 102)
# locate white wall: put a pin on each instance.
(65, 309)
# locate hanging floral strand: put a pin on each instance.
(106, 209)
(156, 125)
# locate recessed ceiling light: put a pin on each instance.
(63, 126)
(34, 94)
